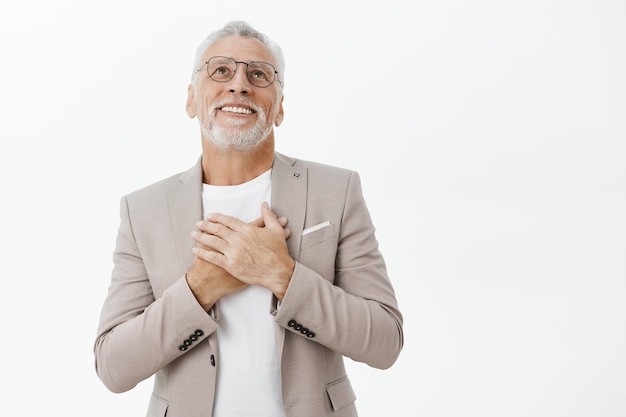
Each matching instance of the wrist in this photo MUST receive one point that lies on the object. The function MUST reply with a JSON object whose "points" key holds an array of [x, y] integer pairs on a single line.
{"points": [[283, 280], [202, 297]]}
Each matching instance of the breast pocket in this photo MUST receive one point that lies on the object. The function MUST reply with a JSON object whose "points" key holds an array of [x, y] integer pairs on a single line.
{"points": [[318, 251], [317, 234]]}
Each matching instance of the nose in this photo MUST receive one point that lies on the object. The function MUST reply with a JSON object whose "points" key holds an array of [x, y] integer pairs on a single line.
{"points": [[240, 83]]}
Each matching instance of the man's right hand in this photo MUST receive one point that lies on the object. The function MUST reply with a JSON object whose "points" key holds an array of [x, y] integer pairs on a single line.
{"points": [[209, 282]]}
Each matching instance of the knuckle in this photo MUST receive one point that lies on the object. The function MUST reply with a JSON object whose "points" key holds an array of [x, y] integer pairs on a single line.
{"points": [[216, 229], [213, 241], [204, 238]]}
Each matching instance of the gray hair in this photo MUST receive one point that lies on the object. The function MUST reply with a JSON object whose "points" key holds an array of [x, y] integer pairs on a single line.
{"points": [[243, 29]]}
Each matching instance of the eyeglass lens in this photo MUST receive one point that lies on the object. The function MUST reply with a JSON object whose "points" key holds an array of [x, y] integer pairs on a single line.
{"points": [[222, 69]]}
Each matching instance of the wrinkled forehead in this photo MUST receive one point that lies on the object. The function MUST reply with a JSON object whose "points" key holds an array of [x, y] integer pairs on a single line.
{"points": [[240, 49]]}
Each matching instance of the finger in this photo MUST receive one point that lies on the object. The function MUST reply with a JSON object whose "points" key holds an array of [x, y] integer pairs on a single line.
{"points": [[282, 221], [228, 221], [209, 241], [261, 223], [216, 229], [269, 217], [210, 256], [257, 222]]}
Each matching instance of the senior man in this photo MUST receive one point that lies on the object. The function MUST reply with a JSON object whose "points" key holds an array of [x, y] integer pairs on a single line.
{"points": [[243, 282]]}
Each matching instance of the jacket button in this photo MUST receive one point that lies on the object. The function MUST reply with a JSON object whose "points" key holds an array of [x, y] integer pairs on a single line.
{"points": [[310, 334], [199, 333], [298, 327], [292, 323], [182, 348], [304, 330], [187, 342], [212, 360], [193, 337]]}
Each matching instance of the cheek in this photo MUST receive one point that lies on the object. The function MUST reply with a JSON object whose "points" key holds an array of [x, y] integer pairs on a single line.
{"points": [[278, 118], [205, 110], [274, 111]]}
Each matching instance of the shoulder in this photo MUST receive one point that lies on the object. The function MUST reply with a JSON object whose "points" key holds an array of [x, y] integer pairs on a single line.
{"points": [[159, 190], [317, 170], [325, 181]]}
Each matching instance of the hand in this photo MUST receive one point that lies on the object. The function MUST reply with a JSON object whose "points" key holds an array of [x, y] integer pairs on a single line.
{"points": [[209, 282], [254, 253], [281, 220]]}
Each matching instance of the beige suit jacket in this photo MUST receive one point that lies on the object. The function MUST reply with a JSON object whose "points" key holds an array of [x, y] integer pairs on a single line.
{"points": [[340, 301]]}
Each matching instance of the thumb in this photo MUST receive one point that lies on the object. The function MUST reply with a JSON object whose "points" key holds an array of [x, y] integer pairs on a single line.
{"points": [[258, 222], [269, 218]]}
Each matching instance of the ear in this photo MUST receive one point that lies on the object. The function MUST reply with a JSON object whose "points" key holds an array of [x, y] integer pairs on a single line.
{"points": [[281, 113], [190, 106]]}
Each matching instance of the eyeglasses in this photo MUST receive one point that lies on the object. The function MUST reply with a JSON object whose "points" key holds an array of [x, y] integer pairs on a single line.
{"points": [[223, 69]]}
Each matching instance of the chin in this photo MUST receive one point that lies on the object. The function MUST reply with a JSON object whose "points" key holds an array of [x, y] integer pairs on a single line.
{"points": [[235, 143], [235, 140]]}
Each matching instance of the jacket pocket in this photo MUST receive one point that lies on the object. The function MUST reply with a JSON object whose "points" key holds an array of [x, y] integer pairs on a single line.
{"points": [[312, 236], [340, 393], [157, 407]]}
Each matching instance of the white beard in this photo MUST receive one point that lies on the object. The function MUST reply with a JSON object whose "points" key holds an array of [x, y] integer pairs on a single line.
{"points": [[232, 136]]}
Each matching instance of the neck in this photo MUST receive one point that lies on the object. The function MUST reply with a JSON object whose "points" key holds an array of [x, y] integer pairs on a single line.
{"points": [[232, 167]]}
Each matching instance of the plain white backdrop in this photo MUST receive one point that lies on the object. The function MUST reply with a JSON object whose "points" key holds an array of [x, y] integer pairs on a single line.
{"points": [[491, 141]]}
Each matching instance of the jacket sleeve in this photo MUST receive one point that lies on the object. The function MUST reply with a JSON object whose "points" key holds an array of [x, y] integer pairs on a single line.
{"points": [[138, 334], [354, 312]]}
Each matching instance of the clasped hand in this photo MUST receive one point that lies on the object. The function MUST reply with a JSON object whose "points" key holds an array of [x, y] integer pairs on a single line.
{"points": [[230, 254]]}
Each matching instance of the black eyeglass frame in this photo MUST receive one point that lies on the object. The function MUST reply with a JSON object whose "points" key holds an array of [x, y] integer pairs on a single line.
{"points": [[206, 64]]}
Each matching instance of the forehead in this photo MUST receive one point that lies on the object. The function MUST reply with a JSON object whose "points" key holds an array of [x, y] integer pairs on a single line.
{"points": [[240, 49]]}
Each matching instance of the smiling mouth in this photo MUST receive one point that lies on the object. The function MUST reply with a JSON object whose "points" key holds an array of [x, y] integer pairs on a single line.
{"points": [[236, 110]]}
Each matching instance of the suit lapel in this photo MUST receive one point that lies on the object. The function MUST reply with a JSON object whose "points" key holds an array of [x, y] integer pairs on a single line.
{"points": [[289, 194], [185, 204]]}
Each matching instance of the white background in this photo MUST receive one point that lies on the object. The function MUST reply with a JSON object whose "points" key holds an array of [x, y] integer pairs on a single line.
{"points": [[491, 140]]}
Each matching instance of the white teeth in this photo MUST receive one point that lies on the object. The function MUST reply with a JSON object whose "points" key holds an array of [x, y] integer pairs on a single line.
{"points": [[240, 110]]}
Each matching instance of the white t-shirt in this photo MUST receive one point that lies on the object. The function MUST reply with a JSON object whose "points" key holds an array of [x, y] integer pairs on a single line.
{"points": [[248, 371]]}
